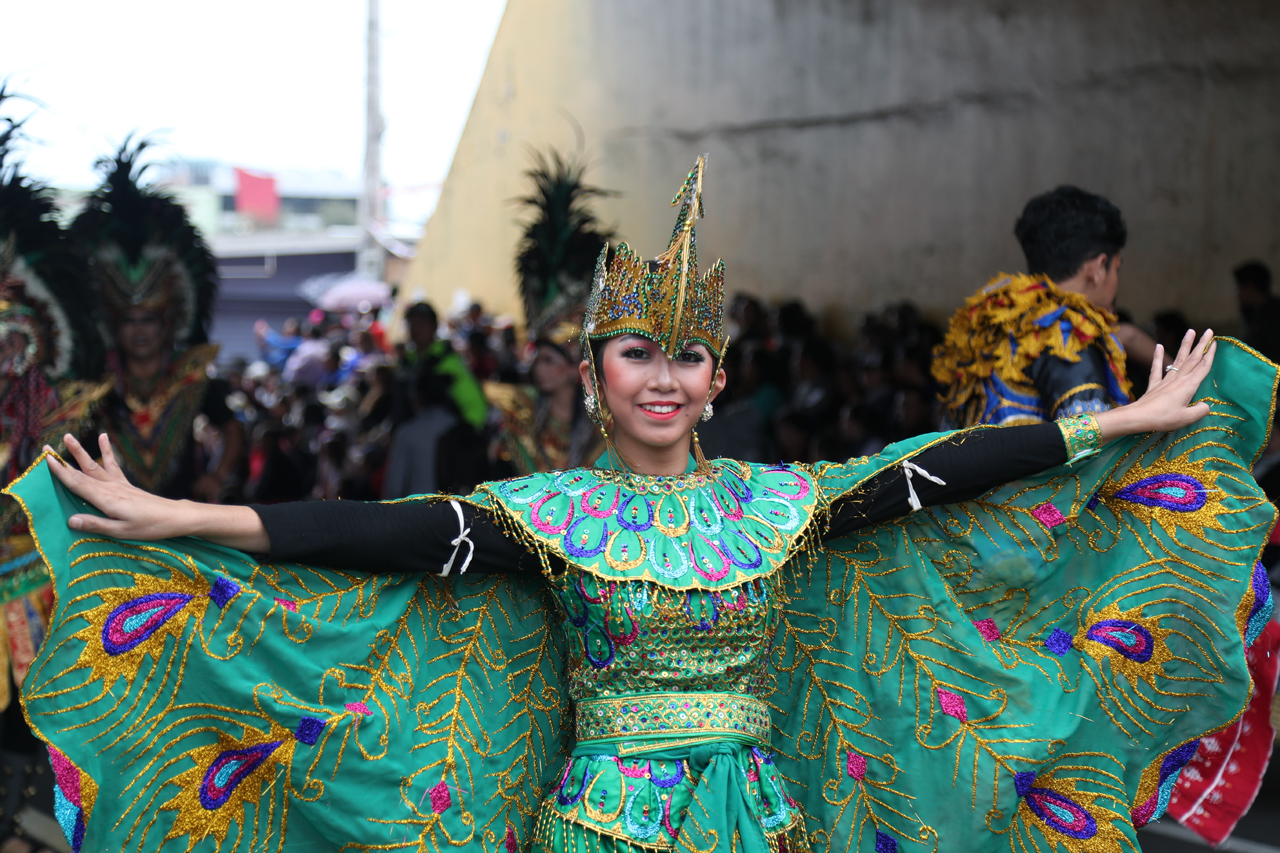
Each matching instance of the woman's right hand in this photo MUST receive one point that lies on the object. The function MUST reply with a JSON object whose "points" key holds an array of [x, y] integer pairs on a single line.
{"points": [[132, 513]]}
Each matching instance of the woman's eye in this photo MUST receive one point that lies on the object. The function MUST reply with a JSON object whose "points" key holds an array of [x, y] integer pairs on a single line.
{"points": [[691, 356], [635, 352]]}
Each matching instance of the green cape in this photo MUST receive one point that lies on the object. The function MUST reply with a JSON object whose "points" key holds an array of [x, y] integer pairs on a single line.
{"points": [[1027, 670]]}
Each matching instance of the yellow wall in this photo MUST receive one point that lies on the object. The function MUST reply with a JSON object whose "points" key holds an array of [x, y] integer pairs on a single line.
{"points": [[865, 152]]}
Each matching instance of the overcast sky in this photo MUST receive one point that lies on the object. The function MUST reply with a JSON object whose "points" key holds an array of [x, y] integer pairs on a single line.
{"points": [[266, 84]]}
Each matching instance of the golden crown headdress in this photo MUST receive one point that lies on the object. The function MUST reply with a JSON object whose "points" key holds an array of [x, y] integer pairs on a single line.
{"points": [[663, 300]]}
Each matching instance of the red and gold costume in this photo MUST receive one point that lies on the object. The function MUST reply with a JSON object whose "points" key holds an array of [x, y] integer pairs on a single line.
{"points": [[147, 255]]}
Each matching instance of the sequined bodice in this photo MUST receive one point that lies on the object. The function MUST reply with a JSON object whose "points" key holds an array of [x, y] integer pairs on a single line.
{"points": [[669, 595], [634, 637]]}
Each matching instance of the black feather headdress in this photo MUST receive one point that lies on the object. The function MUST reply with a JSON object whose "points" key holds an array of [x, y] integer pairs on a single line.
{"points": [[143, 250], [44, 284], [558, 250]]}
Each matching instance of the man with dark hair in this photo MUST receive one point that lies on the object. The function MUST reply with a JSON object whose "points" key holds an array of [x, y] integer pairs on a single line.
{"points": [[426, 352], [1074, 239], [1042, 345], [1259, 309]]}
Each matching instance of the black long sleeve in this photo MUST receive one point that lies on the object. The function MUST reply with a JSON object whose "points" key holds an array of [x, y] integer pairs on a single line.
{"points": [[388, 538], [971, 463], [417, 536]]}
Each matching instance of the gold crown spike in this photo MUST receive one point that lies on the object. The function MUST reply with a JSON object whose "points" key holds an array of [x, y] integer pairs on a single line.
{"points": [[663, 300]]}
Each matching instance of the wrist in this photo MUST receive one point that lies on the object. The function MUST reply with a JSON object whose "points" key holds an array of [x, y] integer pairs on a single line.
{"points": [[189, 520], [1119, 422]]}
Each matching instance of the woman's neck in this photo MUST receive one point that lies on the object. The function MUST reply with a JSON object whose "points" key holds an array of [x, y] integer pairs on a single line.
{"points": [[669, 461]]}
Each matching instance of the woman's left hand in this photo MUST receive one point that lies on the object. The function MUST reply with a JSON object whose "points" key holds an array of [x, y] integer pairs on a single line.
{"points": [[1167, 404]]}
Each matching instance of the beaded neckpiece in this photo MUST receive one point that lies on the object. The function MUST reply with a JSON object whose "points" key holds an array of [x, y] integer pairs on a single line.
{"points": [[698, 530], [696, 479]]}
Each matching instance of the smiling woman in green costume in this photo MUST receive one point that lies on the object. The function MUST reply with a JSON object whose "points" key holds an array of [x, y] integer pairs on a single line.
{"points": [[1001, 638]]}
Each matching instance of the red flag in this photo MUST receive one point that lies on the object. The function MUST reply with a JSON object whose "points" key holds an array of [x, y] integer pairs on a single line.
{"points": [[256, 196]]}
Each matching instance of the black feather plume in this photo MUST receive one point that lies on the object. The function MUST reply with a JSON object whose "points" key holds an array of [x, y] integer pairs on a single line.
{"points": [[558, 249], [125, 213], [28, 217]]}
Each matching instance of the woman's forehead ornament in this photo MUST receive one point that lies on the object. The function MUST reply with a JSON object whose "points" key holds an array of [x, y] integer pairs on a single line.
{"points": [[663, 300]]}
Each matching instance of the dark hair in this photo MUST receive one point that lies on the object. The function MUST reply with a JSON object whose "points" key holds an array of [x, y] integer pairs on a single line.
{"points": [[1062, 229], [1253, 274], [423, 310]]}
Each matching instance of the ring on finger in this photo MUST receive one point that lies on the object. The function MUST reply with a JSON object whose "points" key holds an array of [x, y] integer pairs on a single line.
{"points": [[1169, 367]]}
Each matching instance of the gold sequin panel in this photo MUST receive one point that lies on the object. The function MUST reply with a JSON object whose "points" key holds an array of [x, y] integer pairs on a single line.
{"points": [[636, 637], [673, 715]]}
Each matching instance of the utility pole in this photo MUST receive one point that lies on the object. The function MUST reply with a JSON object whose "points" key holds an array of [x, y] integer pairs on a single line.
{"points": [[372, 215]]}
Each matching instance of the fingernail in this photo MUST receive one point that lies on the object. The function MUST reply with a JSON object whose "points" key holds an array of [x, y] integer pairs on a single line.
{"points": [[75, 522]]}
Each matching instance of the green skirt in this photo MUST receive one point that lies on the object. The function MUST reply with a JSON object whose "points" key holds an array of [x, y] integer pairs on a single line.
{"points": [[653, 796]]}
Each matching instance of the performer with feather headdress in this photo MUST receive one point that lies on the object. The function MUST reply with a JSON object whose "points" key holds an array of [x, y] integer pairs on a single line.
{"points": [[157, 281], [990, 639], [50, 356], [544, 424]]}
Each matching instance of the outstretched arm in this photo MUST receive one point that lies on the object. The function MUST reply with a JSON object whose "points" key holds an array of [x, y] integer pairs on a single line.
{"points": [[969, 464], [972, 463], [411, 536], [385, 538]]}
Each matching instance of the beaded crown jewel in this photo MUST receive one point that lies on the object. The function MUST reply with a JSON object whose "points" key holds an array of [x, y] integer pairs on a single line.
{"points": [[663, 300]]}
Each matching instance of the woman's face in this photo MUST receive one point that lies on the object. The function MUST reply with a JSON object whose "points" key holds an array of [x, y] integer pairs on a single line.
{"points": [[655, 401], [553, 372]]}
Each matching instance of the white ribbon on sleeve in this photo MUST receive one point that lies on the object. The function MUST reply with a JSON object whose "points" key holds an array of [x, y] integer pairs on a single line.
{"points": [[463, 536], [908, 466]]}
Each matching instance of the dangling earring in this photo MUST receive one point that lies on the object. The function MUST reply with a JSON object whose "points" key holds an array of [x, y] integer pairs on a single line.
{"points": [[592, 407], [707, 413]]}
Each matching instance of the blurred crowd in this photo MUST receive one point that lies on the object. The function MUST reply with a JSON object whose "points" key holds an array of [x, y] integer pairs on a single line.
{"points": [[333, 409]]}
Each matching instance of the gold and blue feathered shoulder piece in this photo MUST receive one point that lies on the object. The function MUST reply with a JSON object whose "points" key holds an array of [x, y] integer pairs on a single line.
{"points": [[695, 531], [1006, 326]]}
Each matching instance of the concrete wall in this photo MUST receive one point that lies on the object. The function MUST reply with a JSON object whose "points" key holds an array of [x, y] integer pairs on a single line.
{"points": [[873, 150]]}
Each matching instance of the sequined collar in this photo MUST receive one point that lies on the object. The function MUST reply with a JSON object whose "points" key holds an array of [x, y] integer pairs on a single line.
{"points": [[691, 532]]}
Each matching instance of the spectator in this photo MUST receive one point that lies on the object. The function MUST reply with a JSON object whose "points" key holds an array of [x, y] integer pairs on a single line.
{"points": [[413, 465], [748, 317], [481, 361], [427, 353], [378, 404], [367, 355], [1170, 327], [274, 476], [306, 366], [1259, 309], [276, 347]]}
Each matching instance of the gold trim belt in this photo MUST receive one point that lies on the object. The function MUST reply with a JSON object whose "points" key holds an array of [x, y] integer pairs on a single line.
{"points": [[673, 715]]}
